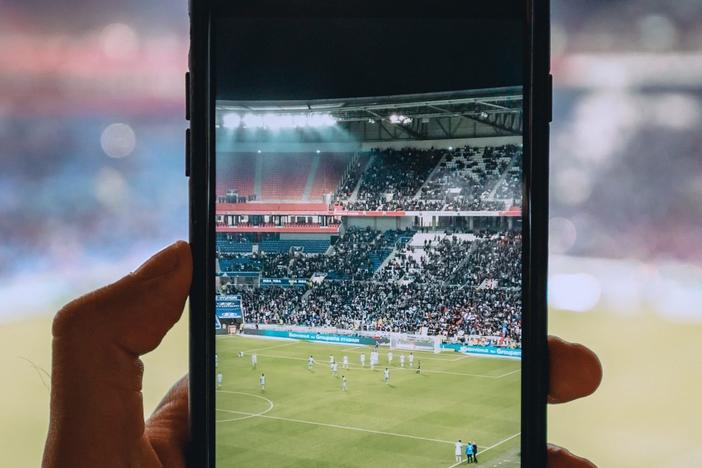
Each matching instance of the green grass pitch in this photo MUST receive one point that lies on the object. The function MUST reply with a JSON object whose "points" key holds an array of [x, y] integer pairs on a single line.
{"points": [[304, 419]]}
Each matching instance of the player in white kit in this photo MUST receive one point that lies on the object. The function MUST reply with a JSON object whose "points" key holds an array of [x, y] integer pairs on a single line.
{"points": [[310, 362], [216, 360], [363, 359], [331, 360], [457, 450], [254, 360], [262, 382], [344, 384], [346, 362], [389, 357], [335, 366], [219, 379], [411, 359], [402, 360], [386, 375]]}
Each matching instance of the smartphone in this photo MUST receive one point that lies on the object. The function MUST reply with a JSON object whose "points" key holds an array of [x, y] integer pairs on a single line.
{"points": [[368, 221]]}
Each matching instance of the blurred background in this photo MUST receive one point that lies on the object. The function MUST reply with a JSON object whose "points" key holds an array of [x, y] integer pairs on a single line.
{"points": [[92, 182]]}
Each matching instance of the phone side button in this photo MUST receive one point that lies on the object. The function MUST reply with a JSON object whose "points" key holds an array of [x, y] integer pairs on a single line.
{"points": [[187, 95], [549, 98], [187, 152]]}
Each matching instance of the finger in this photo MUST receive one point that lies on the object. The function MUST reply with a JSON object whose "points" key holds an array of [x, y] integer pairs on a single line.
{"points": [[575, 371], [96, 373], [167, 428], [558, 457], [135, 312]]}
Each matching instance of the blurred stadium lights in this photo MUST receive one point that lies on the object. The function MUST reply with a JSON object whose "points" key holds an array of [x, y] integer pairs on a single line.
{"points": [[274, 121], [576, 292]]}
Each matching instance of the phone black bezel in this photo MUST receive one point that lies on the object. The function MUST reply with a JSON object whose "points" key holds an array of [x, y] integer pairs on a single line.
{"points": [[200, 167]]}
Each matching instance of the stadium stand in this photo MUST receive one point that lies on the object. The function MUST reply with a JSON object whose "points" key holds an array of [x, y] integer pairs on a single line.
{"points": [[284, 175], [236, 172], [456, 285], [308, 246], [329, 173]]}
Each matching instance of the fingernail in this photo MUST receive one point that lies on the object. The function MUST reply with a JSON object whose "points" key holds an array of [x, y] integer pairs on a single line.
{"points": [[161, 263]]}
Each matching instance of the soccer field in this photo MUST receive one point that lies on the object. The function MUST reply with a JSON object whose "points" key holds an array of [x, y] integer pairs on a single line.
{"points": [[304, 419]]}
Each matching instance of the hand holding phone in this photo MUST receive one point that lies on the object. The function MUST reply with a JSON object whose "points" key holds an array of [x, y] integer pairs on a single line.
{"points": [[83, 374]]}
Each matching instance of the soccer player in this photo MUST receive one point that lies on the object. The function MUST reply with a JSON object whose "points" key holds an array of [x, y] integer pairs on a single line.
{"points": [[254, 360], [331, 360], [475, 452], [216, 360], [262, 382], [402, 360], [346, 362], [363, 359], [386, 375], [219, 379], [389, 358], [310, 362], [457, 450], [419, 367], [335, 366], [344, 384], [241, 354], [469, 452], [411, 359]]}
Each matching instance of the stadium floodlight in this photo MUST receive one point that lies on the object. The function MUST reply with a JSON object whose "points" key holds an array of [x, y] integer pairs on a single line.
{"points": [[371, 121], [274, 121], [399, 119], [231, 120], [318, 151], [450, 148], [258, 151], [483, 115]]}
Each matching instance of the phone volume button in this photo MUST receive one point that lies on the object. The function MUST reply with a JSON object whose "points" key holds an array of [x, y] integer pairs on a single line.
{"points": [[187, 152], [187, 95]]}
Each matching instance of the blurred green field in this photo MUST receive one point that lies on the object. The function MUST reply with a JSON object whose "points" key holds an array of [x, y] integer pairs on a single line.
{"points": [[645, 414], [304, 419]]}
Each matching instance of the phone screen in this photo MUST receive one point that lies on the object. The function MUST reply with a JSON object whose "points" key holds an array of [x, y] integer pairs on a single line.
{"points": [[369, 187]]}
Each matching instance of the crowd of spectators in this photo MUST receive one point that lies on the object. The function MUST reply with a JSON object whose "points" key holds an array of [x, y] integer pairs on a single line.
{"points": [[350, 258], [457, 287], [458, 261], [468, 179], [393, 179]]}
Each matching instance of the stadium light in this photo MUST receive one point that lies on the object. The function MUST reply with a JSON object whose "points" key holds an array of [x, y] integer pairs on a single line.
{"points": [[399, 119], [258, 151], [275, 121], [371, 121], [231, 120], [483, 115], [318, 151], [450, 148]]}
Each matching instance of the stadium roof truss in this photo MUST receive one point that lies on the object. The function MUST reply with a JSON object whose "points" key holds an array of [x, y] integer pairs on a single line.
{"points": [[478, 113]]}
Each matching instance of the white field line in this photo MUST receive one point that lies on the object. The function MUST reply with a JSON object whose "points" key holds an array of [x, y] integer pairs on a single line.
{"points": [[508, 373], [339, 426], [252, 415], [490, 447], [393, 368]]}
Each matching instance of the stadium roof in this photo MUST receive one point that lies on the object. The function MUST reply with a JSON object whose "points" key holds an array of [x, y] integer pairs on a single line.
{"points": [[448, 115]]}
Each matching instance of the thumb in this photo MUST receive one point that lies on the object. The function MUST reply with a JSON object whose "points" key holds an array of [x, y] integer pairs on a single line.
{"points": [[96, 416]]}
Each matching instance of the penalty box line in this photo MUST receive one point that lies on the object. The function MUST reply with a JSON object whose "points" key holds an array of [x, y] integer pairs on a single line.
{"points": [[336, 426], [490, 447], [413, 369]]}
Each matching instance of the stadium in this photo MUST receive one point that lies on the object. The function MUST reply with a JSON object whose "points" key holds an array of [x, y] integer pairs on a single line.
{"points": [[351, 226]]}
